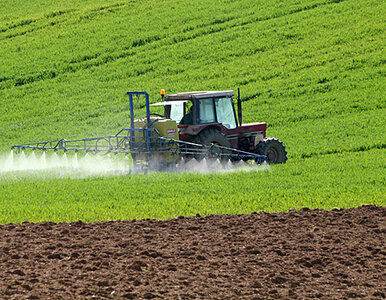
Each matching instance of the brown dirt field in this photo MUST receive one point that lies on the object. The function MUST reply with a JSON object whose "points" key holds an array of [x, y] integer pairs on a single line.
{"points": [[304, 254]]}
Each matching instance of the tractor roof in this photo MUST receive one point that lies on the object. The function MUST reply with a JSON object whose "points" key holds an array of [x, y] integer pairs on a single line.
{"points": [[198, 95]]}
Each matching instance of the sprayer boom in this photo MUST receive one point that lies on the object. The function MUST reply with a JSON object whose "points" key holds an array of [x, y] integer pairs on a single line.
{"points": [[124, 142]]}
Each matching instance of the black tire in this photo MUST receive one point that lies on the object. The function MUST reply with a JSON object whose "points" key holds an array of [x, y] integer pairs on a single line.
{"points": [[212, 136], [273, 149]]}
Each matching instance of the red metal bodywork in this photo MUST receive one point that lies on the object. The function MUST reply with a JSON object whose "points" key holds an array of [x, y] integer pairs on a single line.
{"points": [[236, 136]]}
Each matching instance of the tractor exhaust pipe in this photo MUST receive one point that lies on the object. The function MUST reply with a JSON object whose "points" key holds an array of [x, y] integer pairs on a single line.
{"points": [[239, 110]]}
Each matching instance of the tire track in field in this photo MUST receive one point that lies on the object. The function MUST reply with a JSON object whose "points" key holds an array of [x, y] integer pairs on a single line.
{"points": [[27, 22], [362, 148], [96, 60], [210, 30], [88, 15], [343, 146]]}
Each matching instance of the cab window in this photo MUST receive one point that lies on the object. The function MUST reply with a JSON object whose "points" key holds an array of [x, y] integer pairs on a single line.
{"points": [[225, 113], [206, 114]]}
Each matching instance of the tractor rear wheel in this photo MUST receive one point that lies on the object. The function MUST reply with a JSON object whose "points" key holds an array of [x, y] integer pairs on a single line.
{"points": [[273, 149], [213, 136]]}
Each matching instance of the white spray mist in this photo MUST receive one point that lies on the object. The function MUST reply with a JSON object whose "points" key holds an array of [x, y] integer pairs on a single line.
{"points": [[78, 166]]}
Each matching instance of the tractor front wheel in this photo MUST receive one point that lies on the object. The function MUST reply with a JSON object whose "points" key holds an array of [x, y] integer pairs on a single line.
{"points": [[273, 149]]}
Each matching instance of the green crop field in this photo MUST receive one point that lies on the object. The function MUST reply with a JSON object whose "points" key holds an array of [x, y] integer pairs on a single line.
{"points": [[314, 70]]}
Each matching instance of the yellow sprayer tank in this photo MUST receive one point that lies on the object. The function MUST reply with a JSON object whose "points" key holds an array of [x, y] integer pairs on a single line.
{"points": [[165, 127]]}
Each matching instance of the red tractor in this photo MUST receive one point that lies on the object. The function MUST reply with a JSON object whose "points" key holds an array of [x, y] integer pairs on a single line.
{"points": [[195, 125], [209, 117]]}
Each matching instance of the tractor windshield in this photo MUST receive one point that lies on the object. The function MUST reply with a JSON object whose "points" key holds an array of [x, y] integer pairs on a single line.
{"points": [[225, 113]]}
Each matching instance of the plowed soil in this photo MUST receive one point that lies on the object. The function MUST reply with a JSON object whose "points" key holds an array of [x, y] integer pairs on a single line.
{"points": [[337, 254]]}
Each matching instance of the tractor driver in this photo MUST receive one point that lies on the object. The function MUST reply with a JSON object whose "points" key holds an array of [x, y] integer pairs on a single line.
{"points": [[188, 118]]}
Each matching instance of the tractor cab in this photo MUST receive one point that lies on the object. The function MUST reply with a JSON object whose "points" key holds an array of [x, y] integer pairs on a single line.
{"points": [[201, 108]]}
